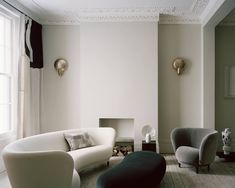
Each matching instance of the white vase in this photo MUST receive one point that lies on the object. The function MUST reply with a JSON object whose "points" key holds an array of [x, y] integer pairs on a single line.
{"points": [[227, 139], [226, 150], [148, 138]]}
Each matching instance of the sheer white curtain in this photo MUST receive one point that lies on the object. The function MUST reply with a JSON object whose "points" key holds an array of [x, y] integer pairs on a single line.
{"points": [[29, 88], [22, 61]]}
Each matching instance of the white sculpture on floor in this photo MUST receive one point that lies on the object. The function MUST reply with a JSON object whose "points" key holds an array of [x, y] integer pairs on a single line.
{"points": [[227, 139]]}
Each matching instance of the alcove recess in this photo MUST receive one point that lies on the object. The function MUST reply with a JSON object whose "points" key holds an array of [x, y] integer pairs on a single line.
{"points": [[124, 130]]}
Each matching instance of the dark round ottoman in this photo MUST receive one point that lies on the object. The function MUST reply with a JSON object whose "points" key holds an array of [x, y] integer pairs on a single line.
{"points": [[141, 169]]}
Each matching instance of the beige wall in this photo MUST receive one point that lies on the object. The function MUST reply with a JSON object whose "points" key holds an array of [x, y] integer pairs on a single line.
{"points": [[180, 97], [118, 76], [208, 76], [113, 73], [225, 55], [60, 95]]}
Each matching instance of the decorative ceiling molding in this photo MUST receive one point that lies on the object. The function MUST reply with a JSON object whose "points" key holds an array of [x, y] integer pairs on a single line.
{"points": [[229, 20], [200, 6], [172, 14], [126, 18], [227, 24], [103, 19], [168, 19], [111, 15]]}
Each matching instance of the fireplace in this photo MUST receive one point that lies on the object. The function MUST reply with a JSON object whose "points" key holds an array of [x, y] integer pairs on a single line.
{"points": [[124, 127]]}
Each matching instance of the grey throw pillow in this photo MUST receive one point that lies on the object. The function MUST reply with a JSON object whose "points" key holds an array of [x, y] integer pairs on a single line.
{"points": [[77, 140]]}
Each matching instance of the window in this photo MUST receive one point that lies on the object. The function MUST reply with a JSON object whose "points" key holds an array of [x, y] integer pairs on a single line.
{"points": [[8, 80]]}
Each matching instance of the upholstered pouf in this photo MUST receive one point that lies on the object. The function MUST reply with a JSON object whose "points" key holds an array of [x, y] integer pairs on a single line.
{"points": [[138, 170]]}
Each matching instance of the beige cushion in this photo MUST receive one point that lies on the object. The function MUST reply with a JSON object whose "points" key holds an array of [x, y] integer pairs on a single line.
{"points": [[77, 140]]}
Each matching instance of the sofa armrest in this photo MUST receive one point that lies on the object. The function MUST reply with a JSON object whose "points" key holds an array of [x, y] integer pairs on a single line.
{"points": [[39, 169], [208, 147]]}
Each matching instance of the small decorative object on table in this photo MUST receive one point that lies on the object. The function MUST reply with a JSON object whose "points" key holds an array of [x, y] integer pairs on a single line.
{"points": [[148, 132], [148, 138], [226, 137]]}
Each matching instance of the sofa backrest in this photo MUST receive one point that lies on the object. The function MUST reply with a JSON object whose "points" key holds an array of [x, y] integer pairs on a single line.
{"points": [[102, 135], [56, 141], [99, 135], [41, 142]]}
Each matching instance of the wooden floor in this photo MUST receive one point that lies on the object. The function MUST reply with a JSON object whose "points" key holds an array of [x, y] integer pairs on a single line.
{"points": [[221, 175]]}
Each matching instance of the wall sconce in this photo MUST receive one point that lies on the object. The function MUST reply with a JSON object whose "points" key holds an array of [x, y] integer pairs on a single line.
{"points": [[179, 65], [61, 65]]}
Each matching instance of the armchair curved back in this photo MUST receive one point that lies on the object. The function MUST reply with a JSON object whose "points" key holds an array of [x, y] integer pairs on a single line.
{"points": [[208, 148], [205, 140]]}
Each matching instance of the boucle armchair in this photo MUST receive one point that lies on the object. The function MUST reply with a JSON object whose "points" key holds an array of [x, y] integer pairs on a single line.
{"points": [[194, 146]]}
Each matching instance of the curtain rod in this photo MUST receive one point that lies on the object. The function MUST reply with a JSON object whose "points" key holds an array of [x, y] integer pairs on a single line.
{"points": [[18, 10]]}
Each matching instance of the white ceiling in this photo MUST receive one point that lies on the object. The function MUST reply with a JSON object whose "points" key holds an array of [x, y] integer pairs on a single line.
{"points": [[76, 11]]}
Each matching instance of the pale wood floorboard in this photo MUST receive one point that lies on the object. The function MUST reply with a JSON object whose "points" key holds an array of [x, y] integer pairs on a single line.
{"points": [[221, 175]]}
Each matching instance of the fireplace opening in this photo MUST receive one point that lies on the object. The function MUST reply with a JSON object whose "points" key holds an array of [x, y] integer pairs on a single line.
{"points": [[124, 127]]}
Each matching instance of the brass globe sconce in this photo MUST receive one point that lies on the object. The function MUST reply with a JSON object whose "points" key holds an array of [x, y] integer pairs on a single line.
{"points": [[179, 65], [61, 65]]}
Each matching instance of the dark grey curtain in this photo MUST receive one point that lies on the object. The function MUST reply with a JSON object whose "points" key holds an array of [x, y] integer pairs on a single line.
{"points": [[34, 49]]}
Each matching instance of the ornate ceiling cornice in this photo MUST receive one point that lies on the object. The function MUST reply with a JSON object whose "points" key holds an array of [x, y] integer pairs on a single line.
{"points": [[229, 20], [121, 14], [167, 19], [111, 15], [200, 6], [172, 14]]}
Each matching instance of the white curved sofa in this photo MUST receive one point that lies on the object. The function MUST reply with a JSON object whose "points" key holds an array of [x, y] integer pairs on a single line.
{"points": [[44, 161]]}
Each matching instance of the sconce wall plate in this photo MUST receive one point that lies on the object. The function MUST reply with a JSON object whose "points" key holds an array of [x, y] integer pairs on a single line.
{"points": [[179, 65], [61, 65]]}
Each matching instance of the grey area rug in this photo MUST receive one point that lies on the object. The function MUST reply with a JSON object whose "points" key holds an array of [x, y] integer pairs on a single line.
{"points": [[89, 176], [221, 175]]}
